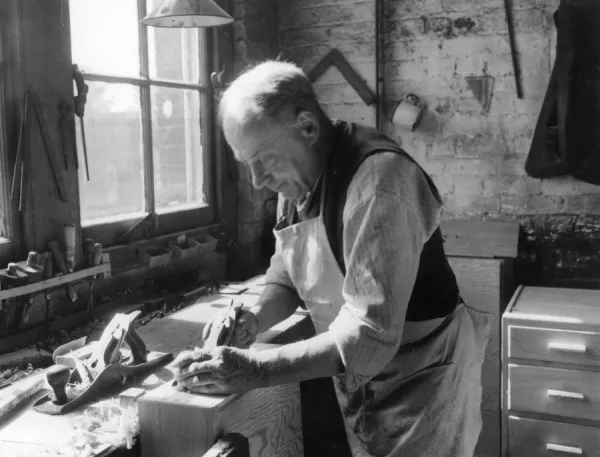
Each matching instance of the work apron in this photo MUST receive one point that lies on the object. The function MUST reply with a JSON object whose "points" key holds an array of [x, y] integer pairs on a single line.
{"points": [[426, 401]]}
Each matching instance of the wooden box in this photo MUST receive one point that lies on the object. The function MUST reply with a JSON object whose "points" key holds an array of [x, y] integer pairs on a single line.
{"points": [[154, 257], [192, 247]]}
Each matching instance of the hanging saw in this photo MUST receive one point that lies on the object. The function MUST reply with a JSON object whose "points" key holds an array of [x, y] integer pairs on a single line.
{"points": [[79, 108]]}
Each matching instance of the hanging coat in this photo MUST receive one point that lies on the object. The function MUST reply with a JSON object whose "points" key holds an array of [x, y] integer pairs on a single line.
{"points": [[566, 139]]}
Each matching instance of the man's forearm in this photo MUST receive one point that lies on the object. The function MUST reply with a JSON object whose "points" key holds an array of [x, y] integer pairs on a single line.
{"points": [[317, 357], [275, 304]]}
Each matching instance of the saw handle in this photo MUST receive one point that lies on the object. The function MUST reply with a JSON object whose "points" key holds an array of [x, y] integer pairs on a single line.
{"points": [[57, 377], [82, 91]]}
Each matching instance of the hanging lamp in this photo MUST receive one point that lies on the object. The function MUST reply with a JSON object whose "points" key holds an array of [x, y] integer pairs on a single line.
{"points": [[187, 13]]}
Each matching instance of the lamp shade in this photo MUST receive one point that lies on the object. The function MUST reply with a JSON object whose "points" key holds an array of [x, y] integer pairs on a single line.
{"points": [[187, 13]]}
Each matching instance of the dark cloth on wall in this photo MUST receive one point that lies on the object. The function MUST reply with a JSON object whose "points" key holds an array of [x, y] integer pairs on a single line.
{"points": [[566, 139]]}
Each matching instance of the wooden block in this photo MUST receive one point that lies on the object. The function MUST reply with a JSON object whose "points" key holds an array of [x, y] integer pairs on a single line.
{"points": [[181, 424], [130, 397], [13, 396]]}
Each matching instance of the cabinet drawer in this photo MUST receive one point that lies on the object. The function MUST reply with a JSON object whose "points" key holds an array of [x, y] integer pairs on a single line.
{"points": [[554, 345], [536, 438], [568, 393]]}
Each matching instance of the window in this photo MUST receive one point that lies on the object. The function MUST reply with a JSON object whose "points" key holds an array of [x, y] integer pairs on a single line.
{"points": [[147, 121]]}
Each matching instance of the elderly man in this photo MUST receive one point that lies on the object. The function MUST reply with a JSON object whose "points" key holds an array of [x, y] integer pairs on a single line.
{"points": [[358, 244]]}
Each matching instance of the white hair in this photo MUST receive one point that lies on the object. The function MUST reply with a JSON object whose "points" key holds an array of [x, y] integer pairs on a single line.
{"points": [[272, 90]]}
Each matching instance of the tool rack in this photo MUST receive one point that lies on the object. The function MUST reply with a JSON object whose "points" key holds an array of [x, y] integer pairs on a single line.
{"points": [[103, 269]]}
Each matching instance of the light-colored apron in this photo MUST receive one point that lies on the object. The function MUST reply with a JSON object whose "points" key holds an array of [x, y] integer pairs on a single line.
{"points": [[426, 402]]}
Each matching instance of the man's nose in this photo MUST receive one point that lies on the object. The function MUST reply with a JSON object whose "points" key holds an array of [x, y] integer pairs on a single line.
{"points": [[259, 177]]}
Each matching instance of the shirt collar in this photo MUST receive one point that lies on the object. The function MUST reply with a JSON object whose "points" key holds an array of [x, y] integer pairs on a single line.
{"points": [[304, 203]]}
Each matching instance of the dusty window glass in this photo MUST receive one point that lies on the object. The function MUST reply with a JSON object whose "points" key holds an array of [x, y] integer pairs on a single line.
{"points": [[144, 123]]}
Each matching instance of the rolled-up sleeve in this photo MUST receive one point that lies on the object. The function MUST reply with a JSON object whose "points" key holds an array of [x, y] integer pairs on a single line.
{"points": [[277, 272], [383, 238]]}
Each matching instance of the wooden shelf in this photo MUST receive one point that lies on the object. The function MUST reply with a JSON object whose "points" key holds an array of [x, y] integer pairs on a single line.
{"points": [[102, 269]]}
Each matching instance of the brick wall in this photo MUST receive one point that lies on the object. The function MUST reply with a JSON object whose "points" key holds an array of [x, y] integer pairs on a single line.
{"points": [[476, 159], [255, 40]]}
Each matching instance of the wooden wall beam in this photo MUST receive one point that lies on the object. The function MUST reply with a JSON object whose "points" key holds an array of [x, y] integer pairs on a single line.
{"points": [[46, 67]]}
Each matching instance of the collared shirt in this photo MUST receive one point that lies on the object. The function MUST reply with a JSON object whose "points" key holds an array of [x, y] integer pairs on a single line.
{"points": [[390, 213], [308, 200]]}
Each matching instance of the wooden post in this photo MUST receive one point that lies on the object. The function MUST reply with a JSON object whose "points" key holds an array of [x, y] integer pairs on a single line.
{"points": [[46, 67]]}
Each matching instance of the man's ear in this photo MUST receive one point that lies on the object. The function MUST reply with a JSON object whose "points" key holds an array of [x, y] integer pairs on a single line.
{"points": [[309, 126]]}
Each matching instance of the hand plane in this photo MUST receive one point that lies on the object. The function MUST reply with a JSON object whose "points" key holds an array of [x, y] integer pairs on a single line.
{"points": [[219, 333], [103, 368], [221, 330]]}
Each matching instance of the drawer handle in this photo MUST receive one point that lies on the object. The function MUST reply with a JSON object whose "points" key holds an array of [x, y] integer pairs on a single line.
{"points": [[565, 449], [565, 394], [567, 347]]}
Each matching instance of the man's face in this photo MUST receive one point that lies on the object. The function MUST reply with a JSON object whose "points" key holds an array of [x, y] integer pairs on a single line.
{"points": [[280, 156]]}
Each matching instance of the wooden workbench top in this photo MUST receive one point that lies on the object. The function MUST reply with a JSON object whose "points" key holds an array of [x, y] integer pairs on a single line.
{"points": [[32, 434]]}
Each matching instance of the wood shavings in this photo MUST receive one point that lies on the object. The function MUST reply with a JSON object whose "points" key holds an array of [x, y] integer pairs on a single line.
{"points": [[105, 424]]}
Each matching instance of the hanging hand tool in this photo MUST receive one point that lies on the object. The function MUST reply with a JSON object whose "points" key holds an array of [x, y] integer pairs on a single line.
{"points": [[67, 126], [70, 240], [80, 101], [66, 119], [21, 168], [62, 266], [41, 117], [93, 252], [513, 46], [18, 157], [47, 294]]}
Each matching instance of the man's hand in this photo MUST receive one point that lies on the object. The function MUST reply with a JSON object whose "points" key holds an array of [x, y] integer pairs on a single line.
{"points": [[221, 370], [245, 329]]}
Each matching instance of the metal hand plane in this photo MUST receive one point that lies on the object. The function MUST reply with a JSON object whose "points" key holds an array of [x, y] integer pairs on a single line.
{"points": [[220, 332], [104, 368]]}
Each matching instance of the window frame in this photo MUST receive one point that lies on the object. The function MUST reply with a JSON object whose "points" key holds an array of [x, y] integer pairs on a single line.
{"points": [[154, 224]]}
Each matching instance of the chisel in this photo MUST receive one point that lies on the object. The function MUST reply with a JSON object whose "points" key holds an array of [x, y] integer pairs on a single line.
{"points": [[62, 266]]}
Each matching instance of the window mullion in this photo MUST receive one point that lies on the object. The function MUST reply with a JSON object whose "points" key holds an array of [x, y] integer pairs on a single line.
{"points": [[207, 114], [146, 112]]}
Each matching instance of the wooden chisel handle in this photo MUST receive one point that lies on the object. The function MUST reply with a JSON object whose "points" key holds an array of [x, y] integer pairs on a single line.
{"points": [[58, 256]]}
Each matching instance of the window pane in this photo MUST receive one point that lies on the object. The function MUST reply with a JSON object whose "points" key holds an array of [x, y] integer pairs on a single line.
{"points": [[174, 54], [105, 36], [113, 131], [177, 143]]}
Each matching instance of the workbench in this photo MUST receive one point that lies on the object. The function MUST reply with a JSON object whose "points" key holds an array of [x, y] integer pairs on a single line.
{"points": [[481, 255], [29, 433]]}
